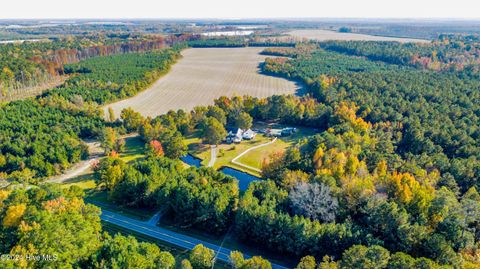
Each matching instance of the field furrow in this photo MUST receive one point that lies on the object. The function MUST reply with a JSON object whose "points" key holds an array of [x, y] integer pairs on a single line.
{"points": [[203, 75]]}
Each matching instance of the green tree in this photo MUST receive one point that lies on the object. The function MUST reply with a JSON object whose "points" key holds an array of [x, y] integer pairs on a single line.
{"points": [[127, 252], [307, 262], [243, 121], [173, 144], [185, 264], [362, 257], [109, 172], [217, 113], [132, 120], [54, 224], [111, 114], [201, 257], [256, 262], [213, 131], [401, 260], [108, 139]]}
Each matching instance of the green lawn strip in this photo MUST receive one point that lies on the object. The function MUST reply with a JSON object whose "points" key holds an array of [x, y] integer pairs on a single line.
{"points": [[244, 169], [85, 181], [134, 149], [255, 157], [100, 198]]}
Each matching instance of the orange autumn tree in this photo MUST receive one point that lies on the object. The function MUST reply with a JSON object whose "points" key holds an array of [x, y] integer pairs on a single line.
{"points": [[155, 148]]}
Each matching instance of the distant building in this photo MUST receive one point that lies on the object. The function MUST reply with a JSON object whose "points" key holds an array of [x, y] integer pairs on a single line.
{"points": [[249, 134], [234, 136], [280, 132], [273, 132], [288, 131]]}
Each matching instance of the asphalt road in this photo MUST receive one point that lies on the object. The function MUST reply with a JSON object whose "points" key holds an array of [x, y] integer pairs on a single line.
{"points": [[177, 239]]}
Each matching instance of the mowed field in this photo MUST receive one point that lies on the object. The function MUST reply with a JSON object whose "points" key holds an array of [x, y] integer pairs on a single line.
{"points": [[204, 74], [324, 35]]}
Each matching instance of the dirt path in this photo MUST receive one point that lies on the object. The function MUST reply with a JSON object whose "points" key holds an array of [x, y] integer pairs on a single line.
{"points": [[96, 153], [213, 156]]}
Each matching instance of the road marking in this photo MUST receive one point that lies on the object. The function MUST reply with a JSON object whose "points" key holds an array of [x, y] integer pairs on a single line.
{"points": [[183, 241]]}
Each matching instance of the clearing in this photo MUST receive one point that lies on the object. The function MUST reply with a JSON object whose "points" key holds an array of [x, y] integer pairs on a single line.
{"points": [[204, 74], [249, 153], [324, 35]]}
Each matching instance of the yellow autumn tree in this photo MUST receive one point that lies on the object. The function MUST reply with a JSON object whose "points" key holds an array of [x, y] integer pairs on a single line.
{"points": [[347, 112], [14, 215], [3, 196], [404, 188]]}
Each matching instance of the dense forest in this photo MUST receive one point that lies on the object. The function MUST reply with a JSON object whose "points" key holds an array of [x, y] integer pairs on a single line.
{"points": [[430, 117], [448, 52], [41, 137], [337, 196], [48, 226], [31, 63]]}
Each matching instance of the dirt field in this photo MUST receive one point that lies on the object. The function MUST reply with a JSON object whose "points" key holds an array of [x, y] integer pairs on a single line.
{"points": [[205, 74], [324, 35]]}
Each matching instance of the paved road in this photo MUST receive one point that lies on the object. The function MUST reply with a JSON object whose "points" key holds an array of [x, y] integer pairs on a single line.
{"points": [[168, 236]]}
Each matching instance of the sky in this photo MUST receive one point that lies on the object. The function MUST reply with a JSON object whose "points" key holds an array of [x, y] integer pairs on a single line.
{"points": [[165, 9]]}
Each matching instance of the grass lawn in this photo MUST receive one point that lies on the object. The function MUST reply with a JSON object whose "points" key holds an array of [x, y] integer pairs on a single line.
{"points": [[226, 153], [134, 149], [255, 157], [85, 182]]}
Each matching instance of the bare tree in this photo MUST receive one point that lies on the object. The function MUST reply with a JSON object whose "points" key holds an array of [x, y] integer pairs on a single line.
{"points": [[313, 200]]}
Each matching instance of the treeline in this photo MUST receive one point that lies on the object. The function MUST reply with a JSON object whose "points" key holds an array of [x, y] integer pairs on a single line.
{"points": [[55, 225], [447, 53], [106, 79], [31, 63], [431, 118], [235, 42], [194, 197], [41, 137]]}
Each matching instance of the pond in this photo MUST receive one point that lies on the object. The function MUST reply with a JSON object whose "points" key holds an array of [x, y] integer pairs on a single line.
{"points": [[190, 160], [243, 178], [229, 33]]}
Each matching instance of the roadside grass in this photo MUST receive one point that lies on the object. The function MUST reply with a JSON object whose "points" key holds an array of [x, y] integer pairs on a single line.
{"points": [[100, 198], [177, 252]]}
